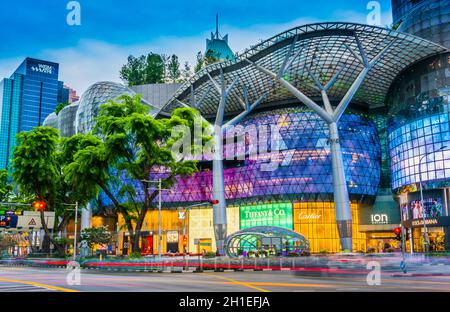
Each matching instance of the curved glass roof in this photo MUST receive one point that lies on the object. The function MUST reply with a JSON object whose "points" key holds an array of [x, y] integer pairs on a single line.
{"points": [[322, 50], [251, 239], [96, 95]]}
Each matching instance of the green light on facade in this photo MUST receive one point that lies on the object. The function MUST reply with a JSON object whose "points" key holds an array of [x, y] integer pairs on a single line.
{"points": [[278, 214]]}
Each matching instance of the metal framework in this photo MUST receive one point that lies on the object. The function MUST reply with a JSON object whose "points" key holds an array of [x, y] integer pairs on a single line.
{"points": [[253, 239], [325, 66]]}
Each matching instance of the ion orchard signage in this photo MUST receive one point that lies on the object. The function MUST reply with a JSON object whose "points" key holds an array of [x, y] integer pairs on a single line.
{"points": [[42, 68], [379, 218]]}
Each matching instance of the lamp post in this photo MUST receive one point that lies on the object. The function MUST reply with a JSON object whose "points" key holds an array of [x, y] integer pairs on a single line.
{"points": [[75, 230], [425, 234], [213, 202]]}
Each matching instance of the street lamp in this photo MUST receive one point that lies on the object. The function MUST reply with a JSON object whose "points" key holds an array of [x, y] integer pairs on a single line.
{"points": [[75, 230], [213, 202], [425, 234]]}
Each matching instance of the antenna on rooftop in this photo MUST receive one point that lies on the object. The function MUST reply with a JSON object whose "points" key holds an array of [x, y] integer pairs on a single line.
{"points": [[217, 26]]}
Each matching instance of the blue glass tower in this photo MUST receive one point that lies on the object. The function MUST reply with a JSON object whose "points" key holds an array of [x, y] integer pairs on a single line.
{"points": [[26, 98]]}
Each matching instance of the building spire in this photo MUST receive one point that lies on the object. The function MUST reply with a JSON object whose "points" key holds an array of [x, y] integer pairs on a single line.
{"points": [[217, 26]]}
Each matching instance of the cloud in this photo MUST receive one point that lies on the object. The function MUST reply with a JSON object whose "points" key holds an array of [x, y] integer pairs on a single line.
{"points": [[90, 61]]}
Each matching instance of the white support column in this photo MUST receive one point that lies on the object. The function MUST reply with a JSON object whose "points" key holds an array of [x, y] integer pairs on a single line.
{"points": [[331, 117], [220, 210], [86, 217]]}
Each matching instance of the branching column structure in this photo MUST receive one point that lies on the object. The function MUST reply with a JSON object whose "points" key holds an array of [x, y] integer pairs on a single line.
{"points": [[219, 210], [331, 116]]}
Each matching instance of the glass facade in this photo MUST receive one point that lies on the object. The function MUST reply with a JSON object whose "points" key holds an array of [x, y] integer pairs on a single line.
{"points": [[307, 176], [419, 123], [428, 19], [317, 222], [28, 97], [277, 214], [409, 143]]}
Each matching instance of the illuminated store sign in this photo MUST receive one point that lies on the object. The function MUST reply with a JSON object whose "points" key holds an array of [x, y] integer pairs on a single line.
{"points": [[172, 236], [279, 214], [427, 222], [379, 218], [42, 68], [308, 216]]}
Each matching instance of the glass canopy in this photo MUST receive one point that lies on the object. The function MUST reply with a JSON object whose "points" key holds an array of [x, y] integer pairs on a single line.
{"points": [[318, 50]]}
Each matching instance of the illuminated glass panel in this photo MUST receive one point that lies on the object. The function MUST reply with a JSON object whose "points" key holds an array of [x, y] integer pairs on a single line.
{"points": [[317, 222], [277, 214], [409, 143]]}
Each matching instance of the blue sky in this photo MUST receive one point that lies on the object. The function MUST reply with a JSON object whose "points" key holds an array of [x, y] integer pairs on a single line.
{"points": [[111, 30]]}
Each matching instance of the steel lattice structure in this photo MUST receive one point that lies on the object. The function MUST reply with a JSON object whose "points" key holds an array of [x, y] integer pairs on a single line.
{"points": [[325, 66], [327, 48]]}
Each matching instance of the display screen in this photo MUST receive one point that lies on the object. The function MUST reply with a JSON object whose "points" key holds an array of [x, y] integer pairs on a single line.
{"points": [[432, 207], [278, 214]]}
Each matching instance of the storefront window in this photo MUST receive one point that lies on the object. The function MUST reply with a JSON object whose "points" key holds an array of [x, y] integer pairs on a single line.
{"points": [[317, 222]]}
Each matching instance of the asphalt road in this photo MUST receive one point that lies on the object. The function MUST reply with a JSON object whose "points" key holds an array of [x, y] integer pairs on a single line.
{"points": [[24, 279]]}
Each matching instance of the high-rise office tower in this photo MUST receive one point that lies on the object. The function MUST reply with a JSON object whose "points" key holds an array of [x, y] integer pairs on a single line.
{"points": [[26, 98]]}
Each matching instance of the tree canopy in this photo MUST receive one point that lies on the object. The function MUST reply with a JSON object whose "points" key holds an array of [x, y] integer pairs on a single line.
{"points": [[143, 70], [136, 148], [6, 187]]}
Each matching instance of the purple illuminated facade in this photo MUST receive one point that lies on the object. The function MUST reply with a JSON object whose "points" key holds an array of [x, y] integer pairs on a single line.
{"points": [[307, 176]]}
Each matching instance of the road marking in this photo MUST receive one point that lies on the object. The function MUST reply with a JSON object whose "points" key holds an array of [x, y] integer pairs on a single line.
{"points": [[291, 284], [37, 285], [249, 285], [22, 288]]}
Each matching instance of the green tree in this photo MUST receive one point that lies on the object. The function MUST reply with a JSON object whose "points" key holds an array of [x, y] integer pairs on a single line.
{"points": [[6, 188], [97, 235], [154, 70], [186, 72], [59, 107], [200, 62], [143, 70], [134, 71], [173, 68], [134, 147], [38, 164], [205, 60]]}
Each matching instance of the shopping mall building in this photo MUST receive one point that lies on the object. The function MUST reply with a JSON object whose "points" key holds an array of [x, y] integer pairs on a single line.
{"points": [[361, 117]]}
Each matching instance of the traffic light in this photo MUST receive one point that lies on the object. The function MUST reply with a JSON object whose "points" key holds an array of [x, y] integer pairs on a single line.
{"points": [[40, 205], [185, 241], [214, 201], [398, 233]]}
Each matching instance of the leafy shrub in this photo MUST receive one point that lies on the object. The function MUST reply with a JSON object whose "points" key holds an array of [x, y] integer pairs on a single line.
{"points": [[135, 255], [292, 254], [323, 251], [209, 254]]}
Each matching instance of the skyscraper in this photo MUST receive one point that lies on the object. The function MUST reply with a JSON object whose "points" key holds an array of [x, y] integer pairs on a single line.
{"points": [[26, 98]]}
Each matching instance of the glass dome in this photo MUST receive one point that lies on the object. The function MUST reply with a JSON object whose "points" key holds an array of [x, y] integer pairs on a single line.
{"points": [[66, 120], [268, 240], [51, 121], [96, 95]]}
